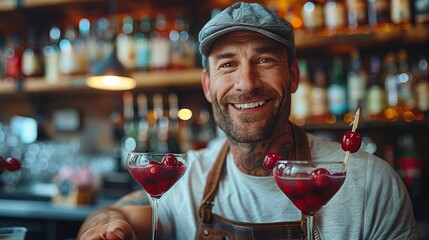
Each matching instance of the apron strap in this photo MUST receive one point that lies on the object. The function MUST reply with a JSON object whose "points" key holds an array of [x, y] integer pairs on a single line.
{"points": [[302, 151]]}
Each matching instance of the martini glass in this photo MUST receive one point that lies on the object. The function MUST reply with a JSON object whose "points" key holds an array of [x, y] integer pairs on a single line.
{"points": [[309, 185], [156, 173]]}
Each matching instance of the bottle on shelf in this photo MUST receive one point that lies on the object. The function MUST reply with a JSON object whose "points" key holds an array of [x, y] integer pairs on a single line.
{"points": [[375, 103], [379, 14], [143, 123], [129, 140], [335, 16], [142, 44], [160, 42], [392, 111], [13, 63], [421, 12], [400, 13], [182, 53], [31, 59], [2, 57], [125, 45], [157, 125], [357, 79], [337, 91], [410, 164], [422, 86], [406, 83], [173, 127], [68, 57], [357, 15], [100, 43], [51, 56], [81, 47], [319, 97], [313, 17], [300, 107]]}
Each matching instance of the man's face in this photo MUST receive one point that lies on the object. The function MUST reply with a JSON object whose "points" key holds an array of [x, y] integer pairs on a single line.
{"points": [[249, 85]]}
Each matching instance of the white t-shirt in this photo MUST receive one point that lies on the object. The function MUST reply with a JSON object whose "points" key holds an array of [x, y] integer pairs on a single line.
{"points": [[371, 204]]}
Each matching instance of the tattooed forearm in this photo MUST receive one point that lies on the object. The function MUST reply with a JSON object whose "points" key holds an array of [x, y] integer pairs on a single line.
{"points": [[135, 198]]}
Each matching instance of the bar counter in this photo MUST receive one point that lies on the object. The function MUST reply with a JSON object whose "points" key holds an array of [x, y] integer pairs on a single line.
{"points": [[43, 218]]}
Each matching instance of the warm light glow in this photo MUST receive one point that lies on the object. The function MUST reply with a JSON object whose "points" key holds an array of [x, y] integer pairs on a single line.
{"points": [[184, 114], [110, 82]]}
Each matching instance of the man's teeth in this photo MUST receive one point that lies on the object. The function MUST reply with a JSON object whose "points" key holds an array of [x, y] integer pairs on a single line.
{"points": [[249, 105]]}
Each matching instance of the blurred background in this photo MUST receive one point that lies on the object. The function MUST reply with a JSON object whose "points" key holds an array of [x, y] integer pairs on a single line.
{"points": [[71, 130]]}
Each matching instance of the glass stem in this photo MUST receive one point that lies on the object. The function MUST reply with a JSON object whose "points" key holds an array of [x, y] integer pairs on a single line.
{"points": [[155, 203], [309, 226]]}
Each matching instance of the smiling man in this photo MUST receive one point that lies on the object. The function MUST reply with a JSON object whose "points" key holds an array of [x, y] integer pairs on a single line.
{"points": [[250, 72]]}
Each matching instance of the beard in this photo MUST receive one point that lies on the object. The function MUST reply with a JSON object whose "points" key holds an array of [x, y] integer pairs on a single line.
{"points": [[249, 128]]}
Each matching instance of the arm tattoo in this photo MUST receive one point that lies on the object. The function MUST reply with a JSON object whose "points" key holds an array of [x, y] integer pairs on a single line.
{"points": [[136, 198]]}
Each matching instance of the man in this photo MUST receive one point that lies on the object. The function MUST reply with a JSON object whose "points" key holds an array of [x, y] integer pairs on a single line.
{"points": [[249, 76]]}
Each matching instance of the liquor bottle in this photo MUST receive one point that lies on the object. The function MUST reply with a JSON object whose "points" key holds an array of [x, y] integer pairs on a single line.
{"points": [[410, 164], [68, 61], [421, 12], [2, 57], [143, 123], [376, 95], [405, 77], [100, 43], [422, 86], [392, 111], [31, 61], [357, 15], [319, 97], [51, 53], [379, 14], [173, 127], [160, 42], [389, 154], [125, 44], [129, 128], [300, 108], [204, 130], [182, 53], [337, 92], [13, 61], [142, 44], [312, 16], [400, 13], [335, 16], [81, 47], [356, 82]]}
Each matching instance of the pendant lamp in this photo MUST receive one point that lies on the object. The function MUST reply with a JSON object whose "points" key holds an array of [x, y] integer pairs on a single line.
{"points": [[110, 74]]}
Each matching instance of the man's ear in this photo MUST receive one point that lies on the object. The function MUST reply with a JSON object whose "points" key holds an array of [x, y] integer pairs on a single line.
{"points": [[205, 82], [294, 73]]}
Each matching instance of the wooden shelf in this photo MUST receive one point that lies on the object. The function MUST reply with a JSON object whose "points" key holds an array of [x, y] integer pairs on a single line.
{"points": [[366, 125], [177, 78], [417, 34], [8, 5]]}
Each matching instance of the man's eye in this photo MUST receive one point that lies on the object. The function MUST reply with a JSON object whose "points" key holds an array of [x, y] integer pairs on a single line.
{"points": [[227, 65], [266, 60]]}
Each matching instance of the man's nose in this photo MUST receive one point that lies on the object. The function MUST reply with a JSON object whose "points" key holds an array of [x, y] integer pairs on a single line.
{"points": [[247, 79]]}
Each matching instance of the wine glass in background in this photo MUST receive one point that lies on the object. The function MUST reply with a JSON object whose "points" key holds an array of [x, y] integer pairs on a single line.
{"points": [[156, 173], [309, 185]]}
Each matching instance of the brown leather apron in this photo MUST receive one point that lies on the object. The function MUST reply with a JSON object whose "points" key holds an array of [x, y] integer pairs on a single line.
{"points": [[212, 226]]}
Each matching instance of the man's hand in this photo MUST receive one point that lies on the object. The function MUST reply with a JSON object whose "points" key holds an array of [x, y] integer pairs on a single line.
{"points": [[116, 230]]}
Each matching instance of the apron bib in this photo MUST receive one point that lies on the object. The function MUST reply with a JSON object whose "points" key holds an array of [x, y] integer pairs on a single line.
{"points": [[214, 227]]}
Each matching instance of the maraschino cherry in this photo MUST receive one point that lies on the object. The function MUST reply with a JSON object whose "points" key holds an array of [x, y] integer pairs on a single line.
{"points": [[11, 164]]}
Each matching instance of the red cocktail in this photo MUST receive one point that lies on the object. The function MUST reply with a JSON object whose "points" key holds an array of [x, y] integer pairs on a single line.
{"points": [[156, 173], [309, 185]]}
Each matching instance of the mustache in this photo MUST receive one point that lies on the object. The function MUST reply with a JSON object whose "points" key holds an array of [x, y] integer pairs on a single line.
{"points": [[248, 96]]}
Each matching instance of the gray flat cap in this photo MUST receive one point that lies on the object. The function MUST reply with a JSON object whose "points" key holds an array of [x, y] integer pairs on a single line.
{"points": [[246, 17]]}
